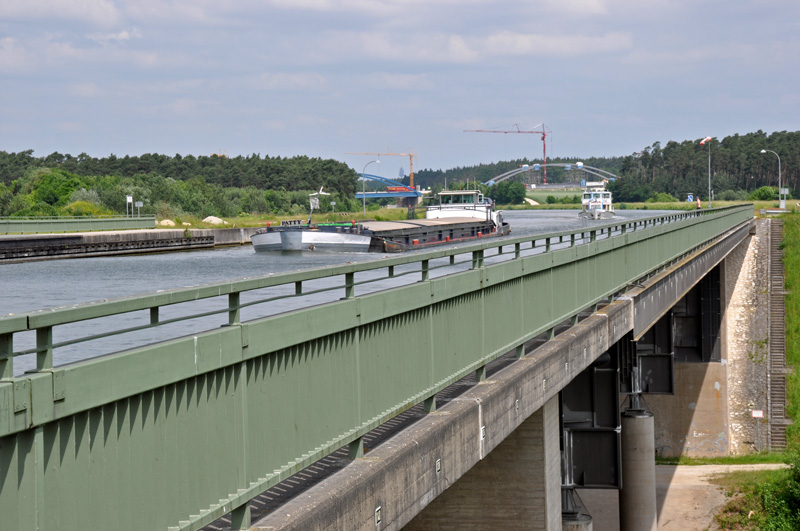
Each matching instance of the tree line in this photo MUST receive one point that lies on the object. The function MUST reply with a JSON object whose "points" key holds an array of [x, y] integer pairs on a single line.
{"points": [[739, 171], [265, 173], [62, 184], [738, 168]]}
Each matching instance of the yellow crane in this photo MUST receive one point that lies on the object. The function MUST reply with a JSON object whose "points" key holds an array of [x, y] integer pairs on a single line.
{"points": [[410, 158]]}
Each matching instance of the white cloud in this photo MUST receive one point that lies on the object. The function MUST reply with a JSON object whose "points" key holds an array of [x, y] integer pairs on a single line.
{"points": [[85, 90], [185, 107], [296, 81], [96, 12], [12, 55], [510, 43], [391, 81], [68, 127], [579, 7], [124, 35], [452, 48], [427, 47]]}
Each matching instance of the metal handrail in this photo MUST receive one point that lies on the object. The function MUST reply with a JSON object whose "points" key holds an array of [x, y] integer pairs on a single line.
{"points": [[49, 318]]}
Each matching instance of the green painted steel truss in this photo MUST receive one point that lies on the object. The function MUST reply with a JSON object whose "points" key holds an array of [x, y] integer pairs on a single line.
{"points": [[180, 432]]}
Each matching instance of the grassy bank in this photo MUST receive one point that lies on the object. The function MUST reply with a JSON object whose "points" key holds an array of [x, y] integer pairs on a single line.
{"points": [[749, 459], [791, 265], [771, 499], [760, 500]]}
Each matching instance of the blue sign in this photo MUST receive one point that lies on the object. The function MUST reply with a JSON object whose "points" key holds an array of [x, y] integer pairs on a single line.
{"points": [[690, 199]]}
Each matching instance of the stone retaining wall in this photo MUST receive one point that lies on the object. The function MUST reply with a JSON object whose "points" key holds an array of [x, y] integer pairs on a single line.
{"points": [[747, 339]]}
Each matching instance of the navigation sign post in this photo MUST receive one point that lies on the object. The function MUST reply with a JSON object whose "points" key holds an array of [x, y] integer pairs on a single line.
{"points": [[757, 414]]}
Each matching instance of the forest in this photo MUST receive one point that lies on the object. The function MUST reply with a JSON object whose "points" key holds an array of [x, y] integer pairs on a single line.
{"points": [[169, 186]]}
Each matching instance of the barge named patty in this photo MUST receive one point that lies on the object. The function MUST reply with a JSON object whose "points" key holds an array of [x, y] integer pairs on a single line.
{"points": [[460, 215]]}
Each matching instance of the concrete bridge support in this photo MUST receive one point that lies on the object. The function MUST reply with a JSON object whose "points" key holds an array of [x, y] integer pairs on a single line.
{"points": [[516, 486], [637, 498]]}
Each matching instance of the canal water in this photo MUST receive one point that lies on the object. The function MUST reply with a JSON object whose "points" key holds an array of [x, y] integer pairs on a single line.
{"points": [[53, 283]]}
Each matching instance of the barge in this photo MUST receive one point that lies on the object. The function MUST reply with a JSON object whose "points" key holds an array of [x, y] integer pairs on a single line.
{"points": [[460, 215]]}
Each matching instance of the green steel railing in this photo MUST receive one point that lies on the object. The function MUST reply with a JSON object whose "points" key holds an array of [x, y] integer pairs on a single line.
{"points": [[15, 225], [180, 432]]}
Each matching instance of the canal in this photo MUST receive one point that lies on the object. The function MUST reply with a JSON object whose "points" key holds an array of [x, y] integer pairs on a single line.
{"points": [[54, 283]]}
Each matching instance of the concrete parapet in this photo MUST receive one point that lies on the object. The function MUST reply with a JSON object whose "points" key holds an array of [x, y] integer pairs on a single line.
{"points": [[105, 243]]}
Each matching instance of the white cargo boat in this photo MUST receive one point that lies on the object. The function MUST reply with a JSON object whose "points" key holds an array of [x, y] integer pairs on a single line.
{"points": [[596, 201]]}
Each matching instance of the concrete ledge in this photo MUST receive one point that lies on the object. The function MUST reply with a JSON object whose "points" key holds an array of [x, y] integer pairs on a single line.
{"points": [[105, 243], [400, 475]]}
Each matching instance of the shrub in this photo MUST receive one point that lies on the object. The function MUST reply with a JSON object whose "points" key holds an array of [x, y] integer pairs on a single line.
{"points": [[765, 193], [85, 208], [662, 197]]}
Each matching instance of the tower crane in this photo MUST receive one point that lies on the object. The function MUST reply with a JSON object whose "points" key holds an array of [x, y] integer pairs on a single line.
{"points": [[533, 130], [410, 158]]}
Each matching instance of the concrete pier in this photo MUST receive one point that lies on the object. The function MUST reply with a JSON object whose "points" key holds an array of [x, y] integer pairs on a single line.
{"points": [[516, 486], [637, 499]]}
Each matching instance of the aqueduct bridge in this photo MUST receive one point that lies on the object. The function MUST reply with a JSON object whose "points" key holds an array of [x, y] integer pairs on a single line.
{"points": [[224, 390]]}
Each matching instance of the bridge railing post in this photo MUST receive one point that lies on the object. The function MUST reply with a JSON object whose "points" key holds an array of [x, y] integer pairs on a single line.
{"points": [[349, 285], [233, 308], [477, 259], [6, 356], [44, 348], [425, 269]]}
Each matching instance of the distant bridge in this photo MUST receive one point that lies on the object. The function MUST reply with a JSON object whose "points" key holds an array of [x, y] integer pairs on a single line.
{"points": [[602, 174], [387, 193]]}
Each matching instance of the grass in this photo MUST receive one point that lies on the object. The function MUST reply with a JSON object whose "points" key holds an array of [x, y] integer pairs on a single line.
{"points": [[755, 500], [749, 459], [791, 266]]}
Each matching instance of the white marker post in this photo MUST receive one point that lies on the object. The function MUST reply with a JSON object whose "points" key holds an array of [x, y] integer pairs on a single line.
{"points": [[758, 414]]}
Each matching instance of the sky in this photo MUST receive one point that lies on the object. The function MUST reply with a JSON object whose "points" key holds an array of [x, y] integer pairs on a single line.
{"points": [[325, 78]]}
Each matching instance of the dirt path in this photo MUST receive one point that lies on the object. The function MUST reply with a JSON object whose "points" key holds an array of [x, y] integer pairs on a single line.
{"points": [[686, 499]]}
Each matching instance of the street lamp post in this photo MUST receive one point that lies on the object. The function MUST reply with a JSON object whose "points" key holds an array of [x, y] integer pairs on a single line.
{"points": [[781, 200], [364, 185], [708, 140]]}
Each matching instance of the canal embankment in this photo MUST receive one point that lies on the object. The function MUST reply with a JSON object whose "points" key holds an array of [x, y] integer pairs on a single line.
{"points": [[27, 247]]}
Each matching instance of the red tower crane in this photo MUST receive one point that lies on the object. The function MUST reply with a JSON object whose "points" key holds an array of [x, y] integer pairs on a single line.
{"points": [[533, 130]]}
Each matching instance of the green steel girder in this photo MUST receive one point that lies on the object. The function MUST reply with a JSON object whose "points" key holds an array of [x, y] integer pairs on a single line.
{"points": [[210, 420]]}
